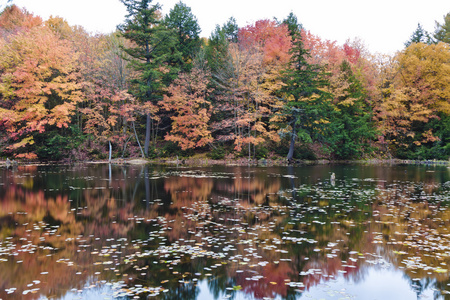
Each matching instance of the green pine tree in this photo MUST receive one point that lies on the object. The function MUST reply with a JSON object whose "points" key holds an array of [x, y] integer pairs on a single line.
{"points": [[217, 48], [420, 35], [154, 56], [352, 128], [185, 26], [307, 104], [442, 32], [293, 25]]}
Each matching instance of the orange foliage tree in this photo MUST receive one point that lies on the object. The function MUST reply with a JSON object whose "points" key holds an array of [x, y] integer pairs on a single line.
{"points": [[39, 85], [187, 98], [13, 19], [108, 110]]}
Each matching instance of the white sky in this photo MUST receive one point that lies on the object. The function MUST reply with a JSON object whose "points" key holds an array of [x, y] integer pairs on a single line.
{"points": [[383, 25]]}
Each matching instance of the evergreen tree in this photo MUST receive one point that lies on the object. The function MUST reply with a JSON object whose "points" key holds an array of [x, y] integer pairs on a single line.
{"points": [[230, 30], [352, 129], [293, 25], [153, 56], [307, 105], [183, 22], [442, 32], [221, 37], [420, 35]]}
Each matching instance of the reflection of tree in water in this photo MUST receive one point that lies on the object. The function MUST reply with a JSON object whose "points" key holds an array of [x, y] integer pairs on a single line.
{"points": [[420, 285], [343, 217], [347, 219], [316, 226], [218, 285], [54, 218], [440, 286], [26, 221], [413, 226], [183, 291]]}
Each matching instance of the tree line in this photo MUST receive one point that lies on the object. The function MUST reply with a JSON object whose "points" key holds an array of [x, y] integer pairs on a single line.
{"points": [[155, 88]]}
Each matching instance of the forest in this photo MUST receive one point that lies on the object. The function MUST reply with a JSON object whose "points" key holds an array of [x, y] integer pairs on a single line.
{"points": [[155, 88]]}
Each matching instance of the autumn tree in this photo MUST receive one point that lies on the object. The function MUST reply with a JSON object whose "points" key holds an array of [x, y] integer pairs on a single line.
{"points": [[234, 106], [108, 112], [271, 43], [14, 19], [153, 49], [418, 95], [61, 27], [268, 37], [187, 98], [116, 72], [104, 106], [246, 80], [39, 87]]}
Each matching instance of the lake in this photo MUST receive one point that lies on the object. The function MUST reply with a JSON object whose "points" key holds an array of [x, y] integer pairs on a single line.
{"points": [[139, 232]]}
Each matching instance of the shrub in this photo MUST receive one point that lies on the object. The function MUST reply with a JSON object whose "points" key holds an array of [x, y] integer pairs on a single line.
{"points": [[217, 153]]}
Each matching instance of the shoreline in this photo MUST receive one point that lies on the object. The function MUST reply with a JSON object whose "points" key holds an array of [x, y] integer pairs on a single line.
{"points": [[204, 162]]}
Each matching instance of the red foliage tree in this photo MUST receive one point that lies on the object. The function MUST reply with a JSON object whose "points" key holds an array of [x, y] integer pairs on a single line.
{"points": [[273, 40]]}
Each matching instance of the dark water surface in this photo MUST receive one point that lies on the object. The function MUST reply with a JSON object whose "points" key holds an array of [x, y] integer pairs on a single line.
{"points": [[139, 232]]}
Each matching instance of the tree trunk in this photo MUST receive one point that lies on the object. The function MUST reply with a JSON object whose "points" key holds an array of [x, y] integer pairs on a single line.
{"points": [[249, 144], [110, 151], [137, 139], [290, 155], [291, 148], [147, 135], [125, 145]]}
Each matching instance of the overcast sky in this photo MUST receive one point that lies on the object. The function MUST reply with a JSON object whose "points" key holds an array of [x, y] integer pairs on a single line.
{"points": [[383, 25]]}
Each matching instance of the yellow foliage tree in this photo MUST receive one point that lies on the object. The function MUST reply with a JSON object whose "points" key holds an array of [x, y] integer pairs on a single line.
{"points": [[419, 93]]}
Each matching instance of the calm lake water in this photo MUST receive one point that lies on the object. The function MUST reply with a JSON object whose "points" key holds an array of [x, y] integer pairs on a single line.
{"points": [[138, 232]]}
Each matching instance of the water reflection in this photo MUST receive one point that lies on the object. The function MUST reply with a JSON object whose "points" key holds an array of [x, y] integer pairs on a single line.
{"points": [[95, 231]]}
